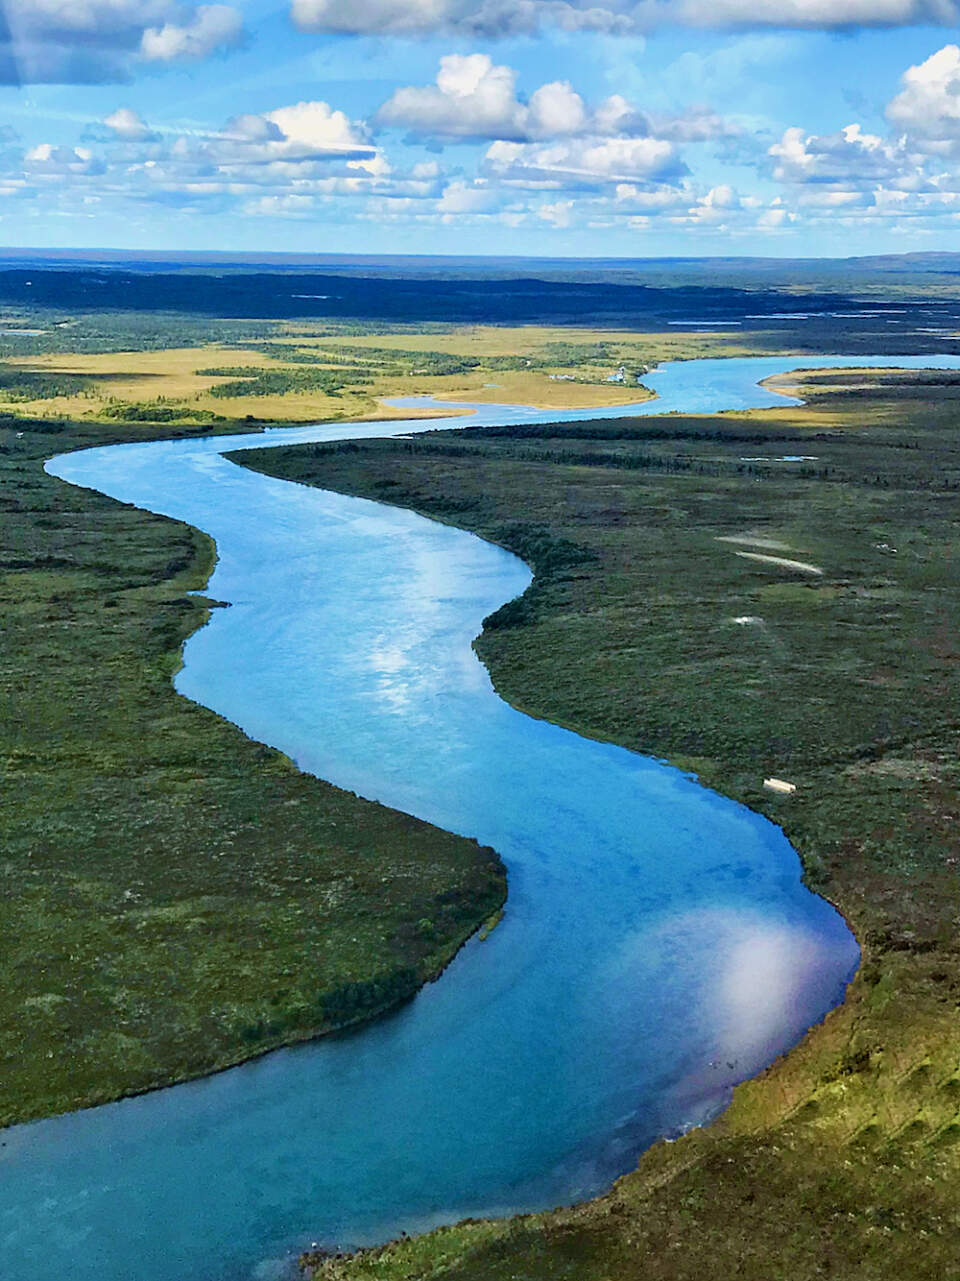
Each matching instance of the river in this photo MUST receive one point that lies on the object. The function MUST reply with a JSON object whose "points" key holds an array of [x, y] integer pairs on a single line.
{"points": [[658, 944]]}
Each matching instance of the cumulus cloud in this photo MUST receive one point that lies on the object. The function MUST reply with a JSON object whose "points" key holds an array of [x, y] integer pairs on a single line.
{"points": [[312, 128], [492, 18], [288, 137], [854, 176], [474, 98], [718, 210], [126, 125], [92, 41], [297, 161], [461, 197], [849, 156], [928, 106], [551, 159], [583, 162], [52, 161], [717, 204], [210, 28], [280, 206], [775, 217], [281, 163], [559, 214], [632, 199]]}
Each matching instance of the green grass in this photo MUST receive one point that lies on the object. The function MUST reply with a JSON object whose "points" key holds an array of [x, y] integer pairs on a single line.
{"points": [[173, 897], [843, 1159]]}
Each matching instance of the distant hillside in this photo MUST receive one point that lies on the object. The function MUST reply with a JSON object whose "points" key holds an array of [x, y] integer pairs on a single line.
{"points": [[412, 265]]}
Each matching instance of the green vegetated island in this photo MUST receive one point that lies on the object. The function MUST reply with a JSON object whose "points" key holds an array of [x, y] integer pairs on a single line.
{"points": [[177, 898]]}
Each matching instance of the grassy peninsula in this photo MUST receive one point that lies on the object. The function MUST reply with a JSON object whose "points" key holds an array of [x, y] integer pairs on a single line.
{"points": [[769, 593], [174, 897], [106, 369]]}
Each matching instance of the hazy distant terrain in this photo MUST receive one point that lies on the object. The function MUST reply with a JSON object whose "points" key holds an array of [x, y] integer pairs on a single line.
{"points": [[770, 295]]}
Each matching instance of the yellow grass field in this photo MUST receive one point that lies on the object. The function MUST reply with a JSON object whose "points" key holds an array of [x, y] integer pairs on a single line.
{"points": [[569, 376], [535, 389]]}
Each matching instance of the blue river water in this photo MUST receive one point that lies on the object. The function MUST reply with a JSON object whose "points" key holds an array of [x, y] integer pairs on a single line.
{"points": [[658, 945]]}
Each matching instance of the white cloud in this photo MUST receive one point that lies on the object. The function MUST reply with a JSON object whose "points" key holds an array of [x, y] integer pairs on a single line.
{"points": [[282, 163], [279, 206], [830, 199], [475, 98], [551, 160], [631, 199], [490, 18], [928, 106], [472, 98], [210, 28], [850, 156], [49, 160], [775, 217], [287, 140], [92, 41], [852, 177], [466, 198], [315, 127], [125, 124], [559, 214], [556, 109], [583, 162], [294, 162], [721, 208], [716, 205]]}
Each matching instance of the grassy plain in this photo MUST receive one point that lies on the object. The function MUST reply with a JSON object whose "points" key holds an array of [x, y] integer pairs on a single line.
{"points": [[842, 1160], [537, 365], [173, 897]]}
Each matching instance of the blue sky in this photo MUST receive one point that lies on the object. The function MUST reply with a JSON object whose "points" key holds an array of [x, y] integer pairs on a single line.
{"points": [[555, 127]]}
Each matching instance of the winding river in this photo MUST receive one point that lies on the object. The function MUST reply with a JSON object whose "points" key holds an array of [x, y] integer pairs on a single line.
{"points": [[658, 945]]}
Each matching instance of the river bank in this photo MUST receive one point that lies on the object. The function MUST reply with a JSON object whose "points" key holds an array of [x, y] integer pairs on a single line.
{"points": [[181, 899], [646, 628]]}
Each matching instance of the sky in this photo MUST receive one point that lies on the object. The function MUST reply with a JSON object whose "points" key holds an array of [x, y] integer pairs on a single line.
{"points": [[592, 128]]}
